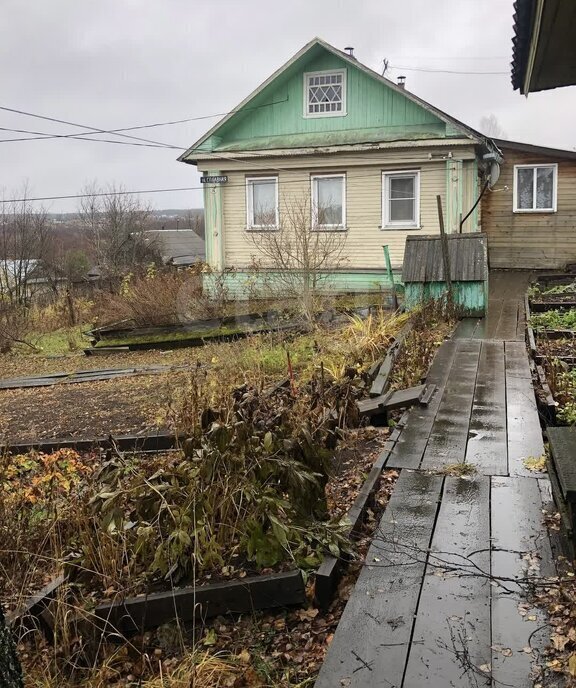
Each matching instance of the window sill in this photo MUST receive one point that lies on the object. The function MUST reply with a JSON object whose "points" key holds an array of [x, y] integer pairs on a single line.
{"points": [[400, 228], [271, 228], [330, 228], [535, 211]]}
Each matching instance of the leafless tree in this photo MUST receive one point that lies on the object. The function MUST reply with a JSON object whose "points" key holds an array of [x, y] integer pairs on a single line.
{"points": [[297, 254], [24, 245], [490, 126], [114, 222], [195, 221]]}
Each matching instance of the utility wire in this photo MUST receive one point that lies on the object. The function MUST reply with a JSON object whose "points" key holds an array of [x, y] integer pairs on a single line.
{"points": [[92, 130], [444, 71], [80, 137]]}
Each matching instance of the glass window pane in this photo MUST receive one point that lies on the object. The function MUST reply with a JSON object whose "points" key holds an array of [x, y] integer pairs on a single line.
{"points": [[264, 202], [525, 191], [544, 187], [402, 210], [401, 187], [329, 200]]}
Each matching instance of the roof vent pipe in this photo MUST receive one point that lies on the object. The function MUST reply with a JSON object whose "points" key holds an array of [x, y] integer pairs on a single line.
{"points": [[350, 50], [402, 81]]}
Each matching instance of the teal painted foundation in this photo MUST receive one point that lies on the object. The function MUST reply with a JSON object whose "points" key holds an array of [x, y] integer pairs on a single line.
{"points": [[246, 285], [472, 297]]}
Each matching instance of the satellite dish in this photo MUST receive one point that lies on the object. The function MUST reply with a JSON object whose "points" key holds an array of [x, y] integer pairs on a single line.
{"points": [[494, 175]]}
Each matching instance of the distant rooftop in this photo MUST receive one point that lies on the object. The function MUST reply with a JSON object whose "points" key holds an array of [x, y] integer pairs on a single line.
{"points": [[179, 246]]}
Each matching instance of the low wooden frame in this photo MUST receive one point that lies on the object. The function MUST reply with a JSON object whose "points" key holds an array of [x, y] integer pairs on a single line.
{"points": [[331, 569]]}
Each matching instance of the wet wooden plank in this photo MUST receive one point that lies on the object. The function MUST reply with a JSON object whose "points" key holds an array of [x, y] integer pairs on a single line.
{"points": [[410, 447], [493, 317], [449, 435], [523, 423], [508, 323], [466, 328], [454, 609], [518, 537], [372, 639], [487, 446]]}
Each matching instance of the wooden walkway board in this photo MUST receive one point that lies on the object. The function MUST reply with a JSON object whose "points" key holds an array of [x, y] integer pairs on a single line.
{"points": [[411, 445], [487, 447], [466, 328], [449, 435], [519, 542], [373, 636], [524, 433], [454, 607]]}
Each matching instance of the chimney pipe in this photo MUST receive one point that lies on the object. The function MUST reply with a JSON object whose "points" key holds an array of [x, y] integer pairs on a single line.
{"points": [[402, 82], [350, 50]]}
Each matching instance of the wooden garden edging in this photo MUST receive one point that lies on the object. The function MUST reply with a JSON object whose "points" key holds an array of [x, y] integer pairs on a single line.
{"points": [[331, 568], [138, 614], [382, 378], [134, 615], [159, 441], [35, 612]]}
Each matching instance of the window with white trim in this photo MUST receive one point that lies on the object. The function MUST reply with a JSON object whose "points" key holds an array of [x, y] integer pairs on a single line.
{"points": [[262, 202], [535, 188], [325, 93], [401, 199], [329, 201]]}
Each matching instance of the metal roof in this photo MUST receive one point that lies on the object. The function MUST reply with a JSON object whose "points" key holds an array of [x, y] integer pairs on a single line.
{"points": [[544, 45], [178, 246], [536, 150], [423, 258]]}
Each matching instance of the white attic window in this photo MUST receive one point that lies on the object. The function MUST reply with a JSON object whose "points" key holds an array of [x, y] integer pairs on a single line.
{"points": [[325, 93]]}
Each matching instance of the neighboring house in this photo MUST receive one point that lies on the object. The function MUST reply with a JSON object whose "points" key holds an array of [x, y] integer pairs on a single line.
{"points": [[366, 155], [179, 247], [530, 213], [544, 42], [23, 279]]}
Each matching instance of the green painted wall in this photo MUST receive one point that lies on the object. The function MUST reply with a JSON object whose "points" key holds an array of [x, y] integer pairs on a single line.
{"points": [[374, 112], [471, 296], [244, 284]]}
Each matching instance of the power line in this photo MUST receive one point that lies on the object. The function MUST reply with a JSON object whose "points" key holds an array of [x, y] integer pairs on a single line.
{"points": [[92, 130], [80, 137], [445, 71]]}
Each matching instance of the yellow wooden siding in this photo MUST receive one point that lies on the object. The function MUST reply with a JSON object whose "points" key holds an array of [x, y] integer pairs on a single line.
{"points": [[363, 201], [530, 240]]}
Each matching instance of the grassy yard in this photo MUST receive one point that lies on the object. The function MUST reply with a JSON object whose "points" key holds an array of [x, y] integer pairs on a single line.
{"points": [[260, 484]]}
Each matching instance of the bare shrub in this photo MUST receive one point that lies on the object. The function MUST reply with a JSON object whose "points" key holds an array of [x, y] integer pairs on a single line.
{"points": [[299, 255], [15, 326], [150, 299]]}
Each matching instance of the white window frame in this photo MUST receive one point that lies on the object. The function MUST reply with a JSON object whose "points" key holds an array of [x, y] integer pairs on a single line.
{"points": [[325, 72], [314, 204], [250, 224], [387, 223], [516, 209]]}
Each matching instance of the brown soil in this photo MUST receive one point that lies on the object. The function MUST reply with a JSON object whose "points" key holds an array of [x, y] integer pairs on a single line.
{"points": [[123, 406]]}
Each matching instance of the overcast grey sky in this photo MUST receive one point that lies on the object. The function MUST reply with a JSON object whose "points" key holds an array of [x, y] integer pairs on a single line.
{"points": [[119, 63]]}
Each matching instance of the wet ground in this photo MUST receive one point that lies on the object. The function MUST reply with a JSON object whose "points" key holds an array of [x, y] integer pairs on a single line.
{"points": [[444, 598]]}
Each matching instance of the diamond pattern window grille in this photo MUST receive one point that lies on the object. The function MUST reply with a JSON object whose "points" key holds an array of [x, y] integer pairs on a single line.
{"points": [[325, 93]]}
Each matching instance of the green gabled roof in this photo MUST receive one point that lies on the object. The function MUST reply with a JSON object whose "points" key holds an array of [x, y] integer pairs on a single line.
{"points": [[248, 126]]}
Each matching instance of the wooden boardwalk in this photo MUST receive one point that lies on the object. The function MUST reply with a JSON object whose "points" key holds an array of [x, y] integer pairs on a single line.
{"points": [[441, 600]]}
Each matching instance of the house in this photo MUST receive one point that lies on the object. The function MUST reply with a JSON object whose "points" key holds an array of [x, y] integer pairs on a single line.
{"points": [[178, 247], [544, 54], [363, 154], [529, 213]]}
